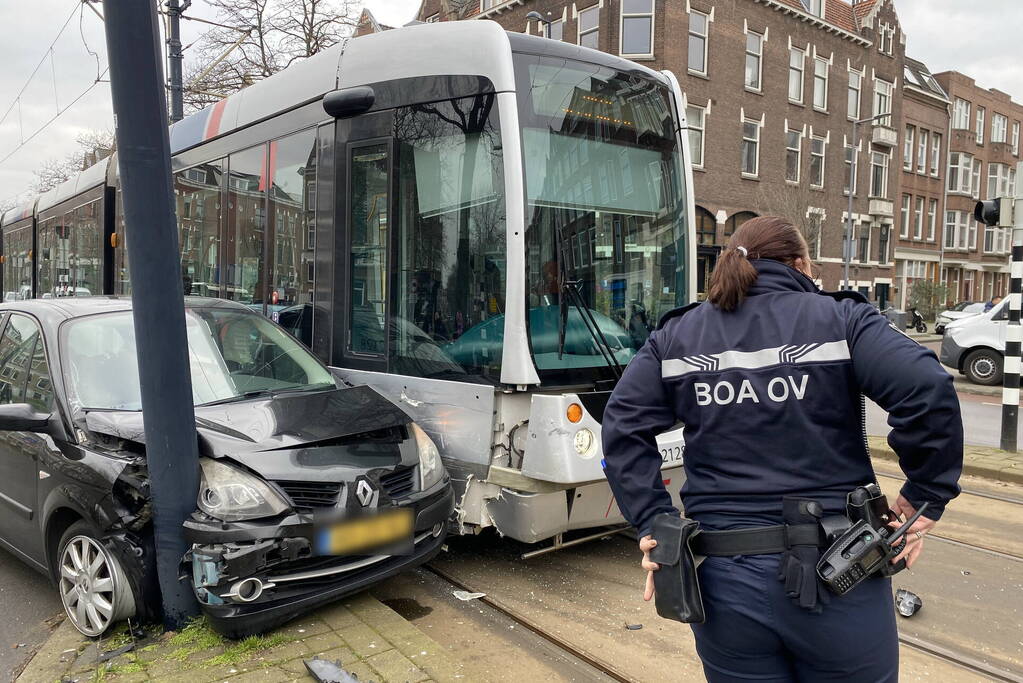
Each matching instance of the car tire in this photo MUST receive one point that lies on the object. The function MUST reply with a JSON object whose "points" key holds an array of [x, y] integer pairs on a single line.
{"points": [[91, 581], [983, 366]]}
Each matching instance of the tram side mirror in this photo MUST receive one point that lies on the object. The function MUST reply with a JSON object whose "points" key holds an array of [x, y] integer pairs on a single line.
{"points": [[343, 104]]}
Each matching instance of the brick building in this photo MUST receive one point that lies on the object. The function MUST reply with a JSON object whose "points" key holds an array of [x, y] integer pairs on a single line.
{"points": [[984, 148], [925, 120]]}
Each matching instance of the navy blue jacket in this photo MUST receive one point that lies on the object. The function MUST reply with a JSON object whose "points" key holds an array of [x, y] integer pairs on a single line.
{"points": [[771, 399]]}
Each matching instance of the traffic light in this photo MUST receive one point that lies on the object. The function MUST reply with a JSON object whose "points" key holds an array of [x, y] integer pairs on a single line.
{"points": [[993, 212]]}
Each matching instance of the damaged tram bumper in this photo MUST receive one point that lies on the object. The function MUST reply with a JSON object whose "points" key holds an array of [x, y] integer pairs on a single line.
{"points": [[251, 576]]}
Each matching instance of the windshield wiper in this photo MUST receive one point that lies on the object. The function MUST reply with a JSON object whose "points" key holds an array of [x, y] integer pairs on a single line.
{"points": [[270, 393], [571, 288]]}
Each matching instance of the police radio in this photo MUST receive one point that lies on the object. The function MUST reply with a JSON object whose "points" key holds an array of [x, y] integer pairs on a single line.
{"points": [[866, 544]]}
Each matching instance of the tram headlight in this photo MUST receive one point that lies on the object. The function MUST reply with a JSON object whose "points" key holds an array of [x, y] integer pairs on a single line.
{"points": [[583, 441], [431, 470]]}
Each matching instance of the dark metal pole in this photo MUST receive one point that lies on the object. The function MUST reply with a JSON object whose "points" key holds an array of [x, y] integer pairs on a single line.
{"points": [[174, 58], [143, 148], [1013, 330]]}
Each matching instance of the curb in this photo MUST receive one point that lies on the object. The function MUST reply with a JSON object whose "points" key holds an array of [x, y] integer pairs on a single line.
{"points": [[980, 461]]}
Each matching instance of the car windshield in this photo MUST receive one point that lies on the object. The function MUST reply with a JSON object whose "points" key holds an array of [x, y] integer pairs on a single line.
{"points": [[232, 355]]}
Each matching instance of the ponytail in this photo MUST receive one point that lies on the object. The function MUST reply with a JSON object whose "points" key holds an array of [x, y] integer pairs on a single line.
{"points": [[767, 237]]}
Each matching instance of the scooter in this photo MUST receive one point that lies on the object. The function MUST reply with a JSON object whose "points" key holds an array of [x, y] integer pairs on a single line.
{"points": [[917, 321]]}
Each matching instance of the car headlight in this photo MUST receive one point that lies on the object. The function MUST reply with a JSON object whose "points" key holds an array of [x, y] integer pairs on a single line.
{"points": [[431, 470], [231, 494]]}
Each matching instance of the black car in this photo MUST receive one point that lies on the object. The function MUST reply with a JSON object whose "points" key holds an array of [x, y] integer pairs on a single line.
{"points": [[310, 489]]}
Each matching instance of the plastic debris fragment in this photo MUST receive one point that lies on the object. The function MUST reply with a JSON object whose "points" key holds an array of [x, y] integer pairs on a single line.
{"points": [[466, 595], [325, 671], [907, 602], [633, 627]]}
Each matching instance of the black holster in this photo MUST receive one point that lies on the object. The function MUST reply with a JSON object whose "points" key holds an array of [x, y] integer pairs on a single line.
{"points": [[676, 584]]}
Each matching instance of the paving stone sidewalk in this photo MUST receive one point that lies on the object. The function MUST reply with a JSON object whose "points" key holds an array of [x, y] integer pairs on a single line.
{"points": [[982, 461], [370, 640]]}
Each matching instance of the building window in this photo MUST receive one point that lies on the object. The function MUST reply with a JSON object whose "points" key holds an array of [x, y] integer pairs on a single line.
{"points": [[999, 128], [817, 146], [885, 39], [793, 152], [950, 229], [907, 149], [589, 27], [1001, 181], [921, 153], [814, 7], [706, 226], [820, 83], [637, 28], [699, 23], [907, 203], [864, 243], [750, 148], [882, 101], [1015, 138], [960, 173], [850, 177], [797, 59], [990, 243], [918, 224], [433, 19], [879, 175], [972, 229], [754, 60], [932, 218], [695, 119], [855, 87], [993, 172], [961, 114], [882, 244], [980, 125], [815, 228], [978, 169], [935, 154], [557, 30]]}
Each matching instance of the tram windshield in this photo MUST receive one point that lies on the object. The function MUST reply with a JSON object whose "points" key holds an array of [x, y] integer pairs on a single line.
{"points": [[605, 207]]}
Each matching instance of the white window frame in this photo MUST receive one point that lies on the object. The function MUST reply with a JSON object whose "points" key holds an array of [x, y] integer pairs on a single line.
{"points": [[980, 125], [595, 7], [932, 218], [707, 18], [802, 73], [858, 89], [885, 164], [991, 239], [908, 147], [798, 149], [951, 226], [978, 174], [622, 16], [759, 56], [849, 152], [961, 114], [817, 80], [759, 125], [433, 18], [813, 7], [922, 145], [972, 229], [701, 129], [883, 95], [1015, 138], [999, 127], [993, 173], [918, 219], [907, 207], [935, 154], [823, 157], [960, 173]]}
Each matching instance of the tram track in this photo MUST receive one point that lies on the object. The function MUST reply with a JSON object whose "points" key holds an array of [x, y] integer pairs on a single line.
{"points": [[964, 491], [961, 660]]}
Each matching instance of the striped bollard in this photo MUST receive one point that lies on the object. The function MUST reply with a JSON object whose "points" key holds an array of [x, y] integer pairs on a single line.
{"points": [[1013, 330]]}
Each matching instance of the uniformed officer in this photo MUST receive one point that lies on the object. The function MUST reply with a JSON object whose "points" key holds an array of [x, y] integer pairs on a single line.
{"points": [[768, 378]]}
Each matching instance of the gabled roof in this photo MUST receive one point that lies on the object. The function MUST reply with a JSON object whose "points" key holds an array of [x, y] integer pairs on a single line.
{"points": [[863, 7]]}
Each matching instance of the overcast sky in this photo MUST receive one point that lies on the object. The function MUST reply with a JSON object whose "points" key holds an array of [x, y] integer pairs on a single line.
{"points": [[945, 34]]}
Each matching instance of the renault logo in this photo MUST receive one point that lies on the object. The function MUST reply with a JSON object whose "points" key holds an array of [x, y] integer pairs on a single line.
{"points": [[365, 493]]}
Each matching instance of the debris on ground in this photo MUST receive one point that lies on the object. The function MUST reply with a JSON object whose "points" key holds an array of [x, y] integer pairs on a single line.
{"points": [[466, 595], [907, 602], [633, 627], [326, 671], [110, 654]]}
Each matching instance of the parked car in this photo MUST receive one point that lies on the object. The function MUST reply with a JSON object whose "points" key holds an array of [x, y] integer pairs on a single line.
{"points": [[296, 467], [963, 309], [975, 345]]}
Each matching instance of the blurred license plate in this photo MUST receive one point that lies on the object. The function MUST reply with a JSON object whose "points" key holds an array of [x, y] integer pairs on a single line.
{"points": [[388, 533]]}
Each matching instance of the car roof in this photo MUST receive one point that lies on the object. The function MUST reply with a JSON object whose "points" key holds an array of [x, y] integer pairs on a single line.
{"points": [[80, 306]]}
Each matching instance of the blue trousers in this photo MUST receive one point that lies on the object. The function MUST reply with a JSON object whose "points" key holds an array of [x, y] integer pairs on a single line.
{"points": [[753, 632]]}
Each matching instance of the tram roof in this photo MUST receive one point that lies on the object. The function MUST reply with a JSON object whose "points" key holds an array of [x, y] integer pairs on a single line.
{"points": [[19, 212], [90, 177]]}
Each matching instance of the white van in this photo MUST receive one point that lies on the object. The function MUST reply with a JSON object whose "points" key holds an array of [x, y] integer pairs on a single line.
{"points": [[975, 345]]}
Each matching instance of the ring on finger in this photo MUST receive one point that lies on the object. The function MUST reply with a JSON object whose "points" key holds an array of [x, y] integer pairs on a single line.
{"points": [[919, 535]]}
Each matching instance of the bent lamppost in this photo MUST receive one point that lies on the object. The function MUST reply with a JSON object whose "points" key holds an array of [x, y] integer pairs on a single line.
{"points": [[853, 169], [536, 16], [143, 150]]}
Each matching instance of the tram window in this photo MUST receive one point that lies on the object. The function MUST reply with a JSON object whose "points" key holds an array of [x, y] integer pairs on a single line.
{"points": [[449, 302], [292, 214], [246, 211], [18, 264], [197, 193], [122, 283], [86, 273], [368, 265], [45, 247]]}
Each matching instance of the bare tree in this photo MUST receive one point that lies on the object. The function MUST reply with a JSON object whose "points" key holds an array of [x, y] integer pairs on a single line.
{"points": [[799, 204], [93, 146], [453, 10], [260, 38], [7, 204]]}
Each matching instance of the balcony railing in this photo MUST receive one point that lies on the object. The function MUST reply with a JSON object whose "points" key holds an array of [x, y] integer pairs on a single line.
{"points": [[885, 136]]}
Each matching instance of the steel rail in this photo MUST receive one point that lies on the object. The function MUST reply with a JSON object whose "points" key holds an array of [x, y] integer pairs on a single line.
{"points": [[969, 492], [560, 643], [959, 659]]}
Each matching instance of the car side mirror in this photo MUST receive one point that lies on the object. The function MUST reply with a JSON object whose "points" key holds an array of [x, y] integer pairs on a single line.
{"points": [[21, 417]]}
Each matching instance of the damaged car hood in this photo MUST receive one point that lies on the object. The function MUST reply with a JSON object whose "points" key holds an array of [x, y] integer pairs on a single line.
{"points": [[276, 434]]}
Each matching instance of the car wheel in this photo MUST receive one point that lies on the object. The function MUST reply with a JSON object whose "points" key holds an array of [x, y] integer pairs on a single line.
{"points": [[92, 583], [983, 366]]}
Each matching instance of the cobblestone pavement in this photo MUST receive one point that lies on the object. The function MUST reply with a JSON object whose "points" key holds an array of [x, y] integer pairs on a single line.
{"points": [[368, 638]]}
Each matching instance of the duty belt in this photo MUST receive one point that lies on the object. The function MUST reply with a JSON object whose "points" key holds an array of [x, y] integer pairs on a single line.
{"points": [[760, 540]]}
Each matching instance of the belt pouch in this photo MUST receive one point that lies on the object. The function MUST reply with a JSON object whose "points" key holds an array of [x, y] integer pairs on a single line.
{"points": [[676, 585]]}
